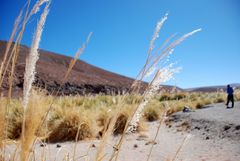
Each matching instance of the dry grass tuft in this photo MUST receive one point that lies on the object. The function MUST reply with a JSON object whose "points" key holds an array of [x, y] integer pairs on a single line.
{"points": [[199, 105], [151, 114], [120, 124], [3, 105], [34, 114], [69, 126], [14, 118]]}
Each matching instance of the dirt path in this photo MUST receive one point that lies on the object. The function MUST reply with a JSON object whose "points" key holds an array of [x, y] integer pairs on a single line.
{"points": [[214, 136]]}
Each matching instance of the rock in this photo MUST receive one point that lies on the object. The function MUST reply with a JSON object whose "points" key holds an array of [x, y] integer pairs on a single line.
{"points": [[237, 127], [58, 146], [151, 142], [226, 127], [196, 127], [42, 145]]}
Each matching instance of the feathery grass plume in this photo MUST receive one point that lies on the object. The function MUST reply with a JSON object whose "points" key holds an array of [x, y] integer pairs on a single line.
{"points": [[156, 33], [14, 31], [78, 53], [153, 62], [15, 51], [162, 76], [36, 7], [132, 124], [167, 74], [140, 76], [31, 60], [29, 76]]}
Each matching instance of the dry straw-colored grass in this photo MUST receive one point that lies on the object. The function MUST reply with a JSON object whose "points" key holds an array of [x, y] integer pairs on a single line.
{"points": [[72, 117], [57, 119]]}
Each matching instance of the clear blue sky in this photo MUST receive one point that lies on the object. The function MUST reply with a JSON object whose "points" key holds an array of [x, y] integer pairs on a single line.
{"points": [[123, 30]]}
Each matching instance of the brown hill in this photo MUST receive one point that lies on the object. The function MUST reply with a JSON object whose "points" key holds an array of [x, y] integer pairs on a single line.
{"points": [[83, 79], [51, 68]]}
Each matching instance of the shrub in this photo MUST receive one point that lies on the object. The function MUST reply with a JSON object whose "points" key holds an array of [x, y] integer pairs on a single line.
{"points": [[199, 105], [219, 100], [14, 118], [151, 114], [165, 97], [179, 96], [206, 102], [120, 124], [69, 127]]}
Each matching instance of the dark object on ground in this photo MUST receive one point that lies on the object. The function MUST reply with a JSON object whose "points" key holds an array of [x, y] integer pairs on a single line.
{"points": [[42, 144], [186, 109], [59, 146], [237, 127], [135, 146], [151, 142], [226, 127]]}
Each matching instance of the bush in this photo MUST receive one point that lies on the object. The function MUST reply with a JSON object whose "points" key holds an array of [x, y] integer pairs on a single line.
{"points": [[69, 128], [120, 124], [151, 114], [179, 96], [14, 118], [199, 105], [165, 97], [219, 100]]}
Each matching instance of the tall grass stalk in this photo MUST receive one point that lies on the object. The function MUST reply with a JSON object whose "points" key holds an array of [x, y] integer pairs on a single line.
{"points": [[149, 65], [162, 119], [106, 135], [9, 44], [181, 146], [31, 60], [78, 53], [15, 51], [162, 75], [140, 76], [133, 121], [71, 65], [134, 88], [28, 128]]}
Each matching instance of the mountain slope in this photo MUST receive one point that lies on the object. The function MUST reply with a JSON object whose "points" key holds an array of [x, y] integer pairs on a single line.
{"points": [[51, 68]]}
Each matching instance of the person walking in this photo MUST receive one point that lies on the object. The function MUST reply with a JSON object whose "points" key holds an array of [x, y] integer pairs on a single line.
{"points": [[230, 96]]}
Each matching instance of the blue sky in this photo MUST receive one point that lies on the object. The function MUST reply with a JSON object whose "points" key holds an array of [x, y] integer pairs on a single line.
{"points": [[122, 31]]}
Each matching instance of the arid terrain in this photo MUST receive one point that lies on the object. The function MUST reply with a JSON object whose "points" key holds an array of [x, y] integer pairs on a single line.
{"points": [[59, 107], [210, 134]]}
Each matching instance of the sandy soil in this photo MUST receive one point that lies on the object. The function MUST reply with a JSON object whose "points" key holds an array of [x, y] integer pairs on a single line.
{"points": [[214, 136]]}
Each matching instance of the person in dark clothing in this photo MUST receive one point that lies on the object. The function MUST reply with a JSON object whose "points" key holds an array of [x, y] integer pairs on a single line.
{"points": [[230, 96]]}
